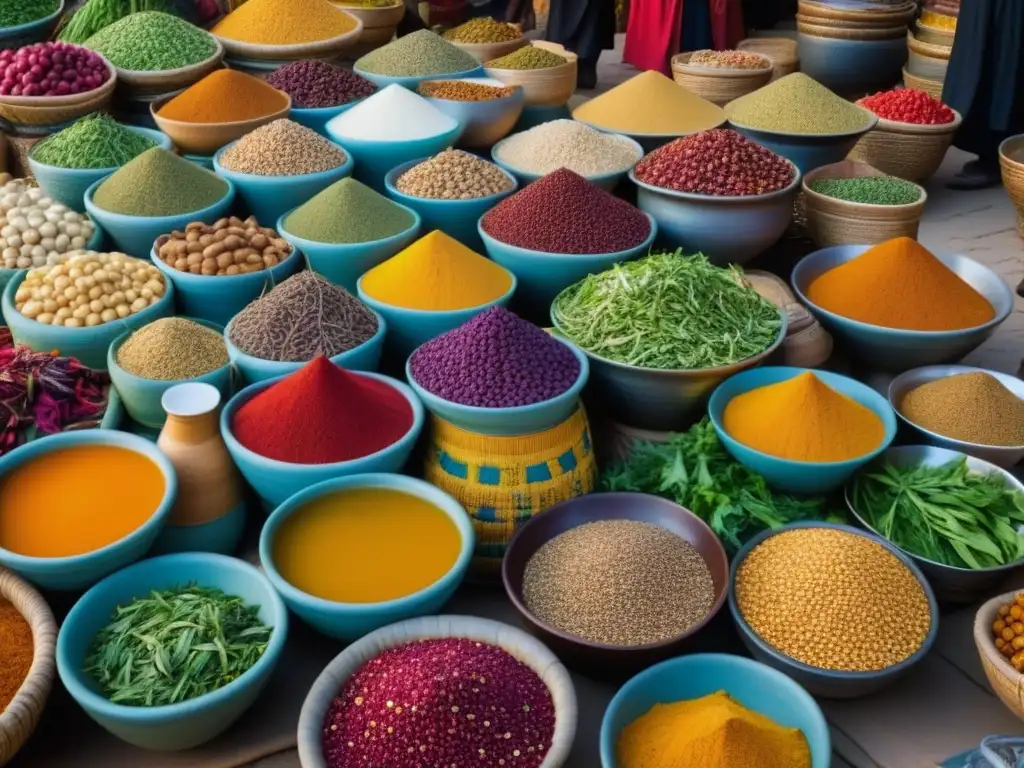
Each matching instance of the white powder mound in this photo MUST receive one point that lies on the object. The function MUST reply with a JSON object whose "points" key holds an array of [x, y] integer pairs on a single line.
{"points": [[392, 114], [567, 144]]}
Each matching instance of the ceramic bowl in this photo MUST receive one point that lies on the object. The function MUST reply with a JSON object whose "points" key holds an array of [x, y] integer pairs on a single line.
{"points": [[412, 81], [805, 477], [344, 263], [31, 32], [136, 83], [756, 686], [275, 481], [68, 185], [135, 235], [895, 349], [483, 122], [189, 723], [77, 572], [808, 151], [514, 641], [728, 230], [218, 298], [539, 530], [456, 218], [606, 181], [350, 621], [317, 118], [323, 49], [828, 683], [203, 161], [206, 138], [852, 67], [88, 344], [268, 197]]}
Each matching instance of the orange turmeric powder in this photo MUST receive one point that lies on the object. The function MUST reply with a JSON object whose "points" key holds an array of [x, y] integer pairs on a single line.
{"points": [[224, 96], [713, 731], [284, 22], [803, 419], [899, 284]]}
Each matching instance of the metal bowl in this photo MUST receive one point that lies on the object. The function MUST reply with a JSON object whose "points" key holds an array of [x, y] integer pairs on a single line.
{"points": [[951, 584], [897, 349]]}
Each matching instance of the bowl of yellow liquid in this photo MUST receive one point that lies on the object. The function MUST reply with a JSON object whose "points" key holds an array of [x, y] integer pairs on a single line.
{"points": [[353, 554]]}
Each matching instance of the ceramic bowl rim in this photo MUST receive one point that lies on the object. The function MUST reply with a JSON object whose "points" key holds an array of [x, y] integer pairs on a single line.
{"points": [[216, 56], [30, 25], [323, 111], [392, 176], [529, 253], [249, 178], [157, 105], [197, 215], [518, 95], [595, 179], [413, 486], [141, 381], [448, 136], [650, 136], [835, 674], [694, 197], [154, 134], [469, 312], [73, 676], [558, 70], [679, 511], [399, 79], [1017, 138], [188, 278]]}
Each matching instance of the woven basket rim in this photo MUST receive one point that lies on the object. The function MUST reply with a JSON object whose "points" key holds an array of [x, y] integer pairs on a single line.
{"points": [[919, 129], [928, 50], [984, 641], [854, 35], [681, 64], [1017, 165], [788, 50], [852, 207]]}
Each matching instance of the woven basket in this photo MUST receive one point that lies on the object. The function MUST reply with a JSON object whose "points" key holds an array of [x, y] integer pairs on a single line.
{"points": [[19, 719], [912, 152], [1006, 682], [924, 48], [484, 52], [550, 87], [883, 16], [932, 87], [1011, 163], [3, 152], [719, 86], [36, 116], [845, 33], [781, 50], [927, 67], [934, 35]]}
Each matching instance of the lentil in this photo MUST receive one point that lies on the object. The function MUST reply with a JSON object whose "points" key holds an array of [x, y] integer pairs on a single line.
{"points": [[159, 183], [567, 144], [348, 212], [14, 13], [797, 104], [907, 105], [283, 148], [565, 213], [457, 90], [415, 55], [453, 175], [293, 22], [973, 407], [833, 600], [729, 60], [50, 69], [392, 114], [172, 349], [619, 582], [224, 96], [151, 40], [483, 29], [440, 702], [229, 246], [496, 360], [873, 190], [719, 162], [315, 84], [96, 141], [527, 57], [1008, 631], [34, 229], [302, 318]]}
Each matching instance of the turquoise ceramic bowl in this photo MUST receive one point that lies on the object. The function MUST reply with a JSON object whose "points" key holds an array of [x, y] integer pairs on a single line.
{"points": [[89, 345], [456, 218], [519, 420], [135, 235], [189, 723], [317, 118], [365, 357], [536, 114], [806, 477], [807, 151], [31, 32], [274, 481], [606, 181], [350, 621], [344, 263], [203, 161], [141, 397], [221, 536], [219, 298], [754, 685], [68, 185], [77, 572], [542, 276], [267, 197], [95, 244], [411, 82]]}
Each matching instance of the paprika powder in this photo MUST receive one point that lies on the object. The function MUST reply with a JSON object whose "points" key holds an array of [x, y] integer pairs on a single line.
{"points": [[16, 651]]}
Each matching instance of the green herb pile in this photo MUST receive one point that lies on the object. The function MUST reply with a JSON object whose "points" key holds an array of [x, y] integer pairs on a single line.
{"points": [[95, 141], [97, 14], [175, 645], [694, 470], [14, 13], [874, 190], [152, 41], [947, 514]]}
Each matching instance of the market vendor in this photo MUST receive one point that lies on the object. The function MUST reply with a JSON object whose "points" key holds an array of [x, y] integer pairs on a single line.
{"points": [[659, 29], [585, 27]]}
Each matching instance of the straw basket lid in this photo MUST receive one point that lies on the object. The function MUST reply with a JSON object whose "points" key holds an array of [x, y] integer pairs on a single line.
{"points": [[166, 80], [314, 50], [71, 99], [846, 33], [19, 719], [1006, 681]]}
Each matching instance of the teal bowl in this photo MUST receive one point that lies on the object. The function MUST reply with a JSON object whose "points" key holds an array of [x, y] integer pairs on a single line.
{"points": [[274, 481], [344, 263], [365, 357], [606, 181], [78, 572], [141, 397], [95, 244], [69, 185], [268, 197], [203, 161], [411, 82], [135, 235], [219, 298], [317, 118], [89, 345], [350, 621], [542, 276], [189, 723], [456, 218], [806, 477], [31, 32], [807, 151], [754, 685], [518, 420]]}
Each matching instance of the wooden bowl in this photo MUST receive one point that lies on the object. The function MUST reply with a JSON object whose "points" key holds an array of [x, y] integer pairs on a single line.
{"points": [[19, 719], [73, 99], [207, 138], [718, 84], [316, 50], [1011, 164], [138, 82], [1006, 682], [909, 151], [550, 87], [57, 115], [484, 52]]}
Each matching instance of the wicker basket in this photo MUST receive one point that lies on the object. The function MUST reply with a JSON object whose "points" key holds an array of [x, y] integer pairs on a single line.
{"points": [[550, 87], [845, 33], [931, 50], [934, 35], [781, 50], [19, 719], [927, 67], [18, 115], [912, 152], [932, 87], [883, 16], [1006, 682], [1011, 163], [719, 86]]}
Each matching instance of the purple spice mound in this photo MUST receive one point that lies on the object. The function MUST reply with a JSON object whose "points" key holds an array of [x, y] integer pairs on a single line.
{"points": [[496, 360], [313, 84], [444, 702]]}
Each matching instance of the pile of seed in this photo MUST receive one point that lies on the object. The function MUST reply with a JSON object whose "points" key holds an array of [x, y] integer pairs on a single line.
{"points": [[95, 141], [797, 104], [483, 29], [14, 13], [348, 212], [453, 175], [415, 55], [229, 246], [302, 318], [528, 57], [283, 148], [567, 144], [159, 183], [875, 190], [172, 349], [619, 582], [458, 90], [833, 600], [150, 41], [974, 407], [729, 60], [314, 84]]}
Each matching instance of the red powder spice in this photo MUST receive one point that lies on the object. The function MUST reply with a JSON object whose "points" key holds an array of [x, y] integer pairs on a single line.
{"points": [[322, 414], [565, 213], [437, 704]]}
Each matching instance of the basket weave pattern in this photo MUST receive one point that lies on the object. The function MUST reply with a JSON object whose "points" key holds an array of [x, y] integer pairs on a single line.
{"points": [[904, 150], [719, 86], [1006, 682], [782, 52], [1013, 180], [932, 87]]}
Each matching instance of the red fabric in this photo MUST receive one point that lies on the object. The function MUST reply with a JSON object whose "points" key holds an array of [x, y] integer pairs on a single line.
{"points": [[652, 34], [726, 23]]}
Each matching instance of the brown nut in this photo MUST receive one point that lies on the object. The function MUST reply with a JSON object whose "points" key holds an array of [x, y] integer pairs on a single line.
{"points": [[224, 261], [259, 241], [214, 250], [194, 258], [234, 242], [232, 270], [192, 236], [181, 265], [220, 223], [195, 247], [269, 260], [192, 226]]}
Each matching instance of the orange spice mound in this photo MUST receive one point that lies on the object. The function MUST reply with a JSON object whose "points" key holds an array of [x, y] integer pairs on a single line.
{"points": [[224, 96], [284, 22]]}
